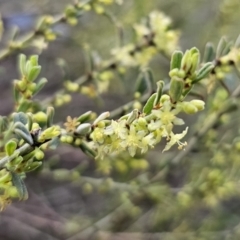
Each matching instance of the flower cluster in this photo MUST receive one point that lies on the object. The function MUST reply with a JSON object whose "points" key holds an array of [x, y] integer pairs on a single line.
{"points": [[225, 63], [139, 131], [153, 36], [164, 38]]}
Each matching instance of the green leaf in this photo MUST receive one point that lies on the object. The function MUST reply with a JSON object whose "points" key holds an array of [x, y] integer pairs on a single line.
{"points": [[41, 83], [186, 61], [141, 85], [10, 147], [132, 116], [23, 132], [22, 64], [24, 136], [24, 105], [27, 157], [85, 117], [20, 185], [34, 60], [30, 121], [3, 123], [227, 49], [33, 73], [20, 117], [33, 166], [28, 67], [149, 78], [176, 60], [176, 89], [50, 115], [149, 104], [237, 43], [208, 53], [87, 150], [16, 92], [204, 71], [160, 85], [221, 46]]}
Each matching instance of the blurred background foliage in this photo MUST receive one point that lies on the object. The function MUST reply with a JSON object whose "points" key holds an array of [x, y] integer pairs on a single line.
{"points": [[159, 196]]}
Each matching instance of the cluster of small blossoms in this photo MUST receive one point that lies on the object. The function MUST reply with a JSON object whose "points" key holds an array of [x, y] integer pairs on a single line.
{"points": [[139, 131], [91, 90], [153, 36], [95, 5], [225, 63]]}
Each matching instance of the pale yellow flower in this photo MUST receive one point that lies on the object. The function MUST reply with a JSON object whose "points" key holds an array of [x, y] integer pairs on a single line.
{"points": [[175, 138], [71, 124]]}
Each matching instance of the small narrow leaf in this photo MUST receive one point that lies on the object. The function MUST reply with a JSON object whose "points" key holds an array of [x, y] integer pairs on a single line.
{"points": [[33, 166], [24, 106], [28, 67], [227, 48], [208, 53], [50, 115], [149, 104], [149, 78], [41, 83], [20, 117], [141, 85], [204, 71], [16, 92], [33, 73], [34, 60], [176, 60], [176, 89], [30, 121], [101, 117], [85, 117], [3, 123], [20, 185], [87, 150], [22, 64], [221, 46], [10, 147], [160, 85], [237, 43], [132, 116], [24, 136]]}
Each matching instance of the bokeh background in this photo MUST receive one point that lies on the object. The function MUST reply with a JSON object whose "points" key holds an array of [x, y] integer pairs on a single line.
{"points": [[93, 206]]}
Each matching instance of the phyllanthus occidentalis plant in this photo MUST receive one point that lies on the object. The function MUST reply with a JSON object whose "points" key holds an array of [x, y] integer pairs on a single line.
{"points": [[28, 132]]}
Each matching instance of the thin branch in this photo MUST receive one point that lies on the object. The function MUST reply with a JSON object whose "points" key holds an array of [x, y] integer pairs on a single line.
{"points": [[26, 148], [208, 124]]}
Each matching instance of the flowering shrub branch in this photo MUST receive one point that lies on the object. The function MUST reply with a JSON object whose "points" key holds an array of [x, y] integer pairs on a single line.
{"points": [[135, 127]]}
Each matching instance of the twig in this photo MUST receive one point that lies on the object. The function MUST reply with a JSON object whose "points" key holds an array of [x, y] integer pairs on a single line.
{"points": [[22, 150], [208, 124]]}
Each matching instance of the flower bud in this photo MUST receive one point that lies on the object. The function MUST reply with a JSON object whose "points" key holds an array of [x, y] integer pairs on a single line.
{"points": [[101, 117], [83, 129], [22, 85], [186, 61], [133, 115], [164, 98], [40, 117], [69, 139], [39, 155], [189, 108], [199, 104]]}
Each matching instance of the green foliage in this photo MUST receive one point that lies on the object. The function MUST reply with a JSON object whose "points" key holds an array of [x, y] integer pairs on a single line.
{"points": [[119, 140]]}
